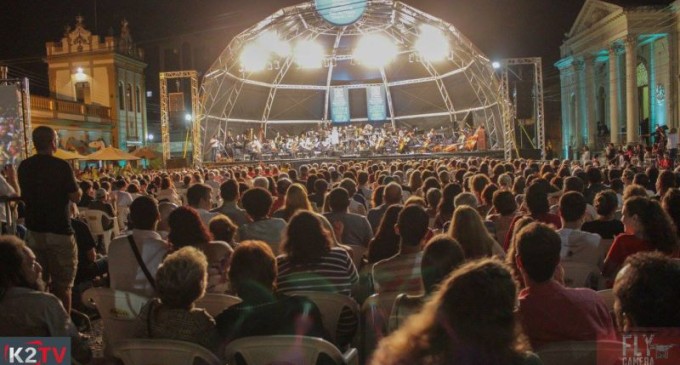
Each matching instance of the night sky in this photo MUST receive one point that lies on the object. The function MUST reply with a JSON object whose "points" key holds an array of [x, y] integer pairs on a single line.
{"points": [[500, 28]]}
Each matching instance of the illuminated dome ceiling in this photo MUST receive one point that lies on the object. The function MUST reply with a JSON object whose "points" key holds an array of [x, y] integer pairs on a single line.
{"points": [[295, 68]]}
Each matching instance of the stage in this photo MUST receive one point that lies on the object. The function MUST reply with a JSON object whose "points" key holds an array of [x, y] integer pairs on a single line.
{"points": [[296, 162]]}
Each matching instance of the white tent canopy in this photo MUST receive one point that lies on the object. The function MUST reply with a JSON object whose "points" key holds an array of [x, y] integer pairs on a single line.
{"points": [[460, 89]]}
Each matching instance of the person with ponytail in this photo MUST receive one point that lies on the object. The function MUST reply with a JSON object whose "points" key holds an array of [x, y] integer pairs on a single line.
{"points": [[647, 228]]}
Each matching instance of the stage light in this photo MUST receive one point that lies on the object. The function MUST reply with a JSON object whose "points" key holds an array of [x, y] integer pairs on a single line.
{"points": [[254, 58], [496, 65], [309, 54], [187, 117], [432, 45], [149, 137], [270, 40], [375, 50]]}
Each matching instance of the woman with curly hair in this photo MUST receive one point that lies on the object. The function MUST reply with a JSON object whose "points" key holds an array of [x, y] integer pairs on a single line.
{"points": [[187, 229], [647, 228], [470, 320], [296, 199]]}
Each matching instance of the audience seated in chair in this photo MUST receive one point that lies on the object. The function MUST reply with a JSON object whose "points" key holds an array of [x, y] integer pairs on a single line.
{"points": [[229, 192], [187, 229], [401, 273], [25, 309], [310, 263], [550, 312], [647, 228], [442, 255], [471, 319], [264, 312], [577, 245], [357, 231], [647, 293], [257, 202], [124, 269], [180, 281], [606, 204]]}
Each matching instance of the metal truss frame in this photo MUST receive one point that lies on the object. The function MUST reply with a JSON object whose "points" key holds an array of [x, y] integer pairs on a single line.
{"points": [[223, 83], [165, 116], [539, 107]]}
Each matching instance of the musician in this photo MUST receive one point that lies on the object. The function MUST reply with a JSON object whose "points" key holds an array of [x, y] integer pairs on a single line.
{"points": [[214, 148], [481, 138], [335, 137]]}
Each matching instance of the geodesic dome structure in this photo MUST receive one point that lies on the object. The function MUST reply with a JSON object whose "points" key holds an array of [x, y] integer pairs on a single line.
{"points": [[283, 74]]}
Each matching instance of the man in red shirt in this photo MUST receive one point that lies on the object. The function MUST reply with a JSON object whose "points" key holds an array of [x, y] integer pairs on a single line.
{"points": [[550, 312]]}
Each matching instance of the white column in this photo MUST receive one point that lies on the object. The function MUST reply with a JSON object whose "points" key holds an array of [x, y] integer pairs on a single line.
{"points": [[632, 115], [614, 95], [591, 102], [577, 126]]}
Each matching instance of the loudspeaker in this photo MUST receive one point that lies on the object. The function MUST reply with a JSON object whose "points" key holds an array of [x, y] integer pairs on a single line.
{"points": [[176, 163], [524, 100]]}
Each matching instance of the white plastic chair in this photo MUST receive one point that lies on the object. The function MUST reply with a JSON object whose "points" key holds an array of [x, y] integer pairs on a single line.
{"points": [[122, 216], [215, 303], [297, 350], [330, 305], [162, 352], [375, 314], [582, 353], [93, 218], [118, 309], [581, 275]]}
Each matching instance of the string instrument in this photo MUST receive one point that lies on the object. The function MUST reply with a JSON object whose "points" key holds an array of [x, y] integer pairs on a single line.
{"points": [[471, 142]]}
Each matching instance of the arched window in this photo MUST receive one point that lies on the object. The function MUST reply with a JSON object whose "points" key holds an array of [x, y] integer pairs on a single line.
{"points": [[128, 96], [139, 99], [121, 96]]}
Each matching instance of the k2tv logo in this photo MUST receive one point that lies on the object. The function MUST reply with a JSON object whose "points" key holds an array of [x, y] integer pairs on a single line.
{"points": [[35, 350]]}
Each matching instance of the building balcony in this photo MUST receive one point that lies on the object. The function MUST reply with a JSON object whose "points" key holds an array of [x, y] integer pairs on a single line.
{"points": [[51, 108]]}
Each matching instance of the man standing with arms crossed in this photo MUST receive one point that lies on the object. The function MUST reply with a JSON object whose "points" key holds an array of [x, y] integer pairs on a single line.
{"points": [[48, 186]]}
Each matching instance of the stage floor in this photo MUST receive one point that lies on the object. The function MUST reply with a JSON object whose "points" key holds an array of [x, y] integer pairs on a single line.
{"points": [[295, 162]]}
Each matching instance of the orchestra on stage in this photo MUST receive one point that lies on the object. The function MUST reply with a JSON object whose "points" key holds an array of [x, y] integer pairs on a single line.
{"points": [[349, 140]]}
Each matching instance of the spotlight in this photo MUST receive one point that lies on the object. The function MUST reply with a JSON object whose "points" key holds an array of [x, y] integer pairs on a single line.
{"points": [[432, 44], [496, 65], [270, 40], [309, 54], [254, 58], [187, 117], [375, 50]]}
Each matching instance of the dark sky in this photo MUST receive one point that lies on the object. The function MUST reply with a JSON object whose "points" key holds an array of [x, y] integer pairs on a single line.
{"points": [[500, 28]]}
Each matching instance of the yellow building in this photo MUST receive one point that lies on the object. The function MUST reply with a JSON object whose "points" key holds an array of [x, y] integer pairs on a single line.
{"points": [[97, 90]]}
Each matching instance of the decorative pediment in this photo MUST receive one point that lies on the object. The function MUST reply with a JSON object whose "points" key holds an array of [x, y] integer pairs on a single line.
{"points": [[79, 37], [592, 12]]}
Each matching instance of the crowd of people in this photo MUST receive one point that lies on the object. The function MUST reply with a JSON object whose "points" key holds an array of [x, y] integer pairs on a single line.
{"points": [[475, 252]]}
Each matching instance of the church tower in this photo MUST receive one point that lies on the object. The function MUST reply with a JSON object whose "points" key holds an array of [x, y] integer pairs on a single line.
{"points": [[107, 76]]}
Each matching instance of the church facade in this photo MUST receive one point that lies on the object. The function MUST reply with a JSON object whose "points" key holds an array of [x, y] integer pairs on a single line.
{"points": [[97, 90], [617, 74]]}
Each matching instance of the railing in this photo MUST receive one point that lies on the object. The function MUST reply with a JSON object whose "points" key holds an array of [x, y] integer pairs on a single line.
{"points": [[70, 107]]}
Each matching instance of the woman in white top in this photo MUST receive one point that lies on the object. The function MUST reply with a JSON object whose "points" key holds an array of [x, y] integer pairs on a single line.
{"points": [[168, 192]]}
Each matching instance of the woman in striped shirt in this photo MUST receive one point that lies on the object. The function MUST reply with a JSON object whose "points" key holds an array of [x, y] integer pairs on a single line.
{"points": [[311, 263]]}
